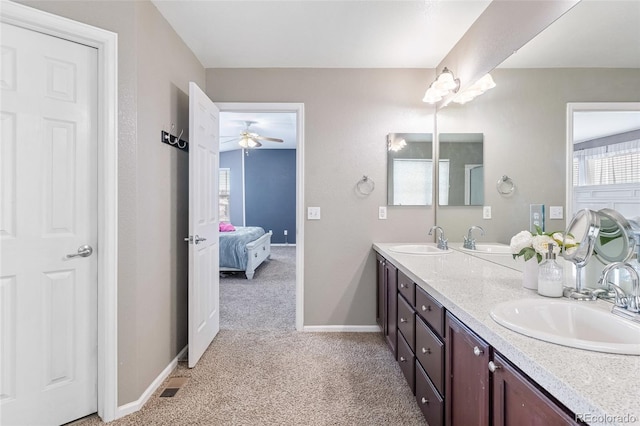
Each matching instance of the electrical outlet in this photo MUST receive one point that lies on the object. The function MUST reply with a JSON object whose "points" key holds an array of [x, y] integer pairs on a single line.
{"points": [[555, 212], [536, 217], [313, 213], [286, 232], [382, 212], [486, 212]]}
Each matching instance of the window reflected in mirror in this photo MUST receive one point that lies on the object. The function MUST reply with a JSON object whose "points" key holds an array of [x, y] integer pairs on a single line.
{"points": [[409, 169]]}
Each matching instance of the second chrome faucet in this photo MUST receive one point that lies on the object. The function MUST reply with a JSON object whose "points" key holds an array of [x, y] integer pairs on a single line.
{"points": [[469, 241]]}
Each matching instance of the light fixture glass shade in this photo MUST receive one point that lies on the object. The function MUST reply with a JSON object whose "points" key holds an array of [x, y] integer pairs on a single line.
{"points": [[432, 96], [445, 81], [486, 83]]}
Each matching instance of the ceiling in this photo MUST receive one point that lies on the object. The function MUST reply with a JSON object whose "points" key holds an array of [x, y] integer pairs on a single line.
{"points": [[281, 125], [589, 125], [382, 34]]}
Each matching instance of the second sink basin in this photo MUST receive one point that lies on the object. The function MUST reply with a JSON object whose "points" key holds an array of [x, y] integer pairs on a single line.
{"points": [[570, 323], [421, 249]]}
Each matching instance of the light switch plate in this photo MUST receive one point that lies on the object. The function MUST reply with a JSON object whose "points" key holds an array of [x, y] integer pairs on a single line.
{"points": [[555, 212], [486, 212], [382, 212], [313, 213]]}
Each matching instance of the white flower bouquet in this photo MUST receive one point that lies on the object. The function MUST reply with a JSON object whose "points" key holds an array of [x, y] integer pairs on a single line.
{"points": [[528, 245]]}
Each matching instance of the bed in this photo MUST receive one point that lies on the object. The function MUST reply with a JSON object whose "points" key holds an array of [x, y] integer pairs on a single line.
{"points": [[244, 249]]}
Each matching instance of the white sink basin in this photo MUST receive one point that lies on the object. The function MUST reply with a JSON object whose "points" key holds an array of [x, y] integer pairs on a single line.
{"points": [[420, 249], [490, 249], [583, 325]]}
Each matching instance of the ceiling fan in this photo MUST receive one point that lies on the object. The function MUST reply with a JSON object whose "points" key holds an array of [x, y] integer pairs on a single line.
{"points": [[248, 139]]}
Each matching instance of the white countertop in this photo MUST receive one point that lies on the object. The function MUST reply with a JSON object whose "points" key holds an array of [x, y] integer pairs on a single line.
{"points": [[605, 388]]}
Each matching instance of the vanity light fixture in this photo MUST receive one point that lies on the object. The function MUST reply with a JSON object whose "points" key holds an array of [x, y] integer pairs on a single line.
{"points": [[443, 85], [476, 89]]}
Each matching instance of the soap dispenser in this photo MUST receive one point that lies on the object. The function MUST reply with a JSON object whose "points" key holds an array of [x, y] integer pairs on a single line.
{"points": [[550, 275]]}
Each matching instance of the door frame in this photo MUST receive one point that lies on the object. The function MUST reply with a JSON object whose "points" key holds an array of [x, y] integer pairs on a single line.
{"points": [[298, 109], [106, 44]]}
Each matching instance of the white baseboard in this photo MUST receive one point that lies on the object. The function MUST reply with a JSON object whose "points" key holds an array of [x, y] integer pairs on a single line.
{"points": [[282, 245], [136, 405], [342, 328]]}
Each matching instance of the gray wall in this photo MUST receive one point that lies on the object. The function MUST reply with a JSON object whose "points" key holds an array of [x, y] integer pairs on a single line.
{"points": [[524, 124], [348, 113], [154, 68]]}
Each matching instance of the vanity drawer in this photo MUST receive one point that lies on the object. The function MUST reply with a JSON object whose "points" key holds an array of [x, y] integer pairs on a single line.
{"points": [[407, 288], [407, 322], [407, 362], [429, 401], [430, 310], [430, 352]]}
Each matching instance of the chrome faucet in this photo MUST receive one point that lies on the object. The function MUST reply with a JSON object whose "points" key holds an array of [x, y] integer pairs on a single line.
{"points": [[469, 241], [625, 305], [442, 243]]}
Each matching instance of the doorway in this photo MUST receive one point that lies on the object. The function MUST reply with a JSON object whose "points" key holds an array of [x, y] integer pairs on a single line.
{"points": [[298, 235]]}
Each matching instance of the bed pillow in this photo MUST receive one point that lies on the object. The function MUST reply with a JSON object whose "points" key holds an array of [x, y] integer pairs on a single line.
{"points": [[226, 227]]}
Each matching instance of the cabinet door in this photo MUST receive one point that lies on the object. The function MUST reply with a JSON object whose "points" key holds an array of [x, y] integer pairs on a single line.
{"points": [[516, 401], [380, 309], [391, 277], [467, 376]]}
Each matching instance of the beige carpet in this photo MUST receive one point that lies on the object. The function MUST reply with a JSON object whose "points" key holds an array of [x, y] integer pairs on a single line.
{"points": [[263, 375]]}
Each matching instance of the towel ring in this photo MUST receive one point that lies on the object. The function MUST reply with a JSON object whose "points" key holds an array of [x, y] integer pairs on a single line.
{"points": [[505, 185], [365, 186]]}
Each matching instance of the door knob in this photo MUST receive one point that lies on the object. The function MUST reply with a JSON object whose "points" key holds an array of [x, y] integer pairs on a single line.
{"points": [[83, 251], [198, 239]]}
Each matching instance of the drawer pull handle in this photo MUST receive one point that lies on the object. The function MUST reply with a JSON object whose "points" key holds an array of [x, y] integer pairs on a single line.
{"points": [[403, 320], [493, 367], [477, 351], [402, 359], [402, 285], [426, 351], [426, 308], [425, 400]]}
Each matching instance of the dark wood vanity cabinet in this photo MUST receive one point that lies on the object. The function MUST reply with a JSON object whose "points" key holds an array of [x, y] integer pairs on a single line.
{"points": [[387, 303], [518, 401], [467, 376], [447, 365]]}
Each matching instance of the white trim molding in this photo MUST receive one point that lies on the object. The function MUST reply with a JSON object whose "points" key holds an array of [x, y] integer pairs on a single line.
{"points": [[106, 44], [132, 407], [298, 108], [342, 328]]}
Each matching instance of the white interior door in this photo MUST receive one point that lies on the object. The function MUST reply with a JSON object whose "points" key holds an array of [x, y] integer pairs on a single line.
{"points": [[48, 301], [204, 263]]}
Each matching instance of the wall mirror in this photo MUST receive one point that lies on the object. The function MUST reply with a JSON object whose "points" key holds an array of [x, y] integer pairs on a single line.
{"points": [[461, 169], [409, 169], [590, 53]]}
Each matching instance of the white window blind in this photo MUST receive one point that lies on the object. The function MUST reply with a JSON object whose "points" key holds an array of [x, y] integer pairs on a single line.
{"points": [[412, 182], [224, 193], [607, 165]]}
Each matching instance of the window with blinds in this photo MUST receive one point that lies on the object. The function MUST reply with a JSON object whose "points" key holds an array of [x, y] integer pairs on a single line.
{"points": [[607, 165], [223, 194]]}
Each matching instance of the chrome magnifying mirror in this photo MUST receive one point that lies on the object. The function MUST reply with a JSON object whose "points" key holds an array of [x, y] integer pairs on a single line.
{"points": [[616, 240], [579, 241]]}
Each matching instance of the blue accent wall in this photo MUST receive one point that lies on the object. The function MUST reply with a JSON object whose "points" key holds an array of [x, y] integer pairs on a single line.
{"points": [[233, 160], [270, 192]]}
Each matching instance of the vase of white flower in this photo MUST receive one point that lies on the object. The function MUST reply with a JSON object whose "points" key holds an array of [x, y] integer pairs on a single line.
{"points": [[532, 247]]}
